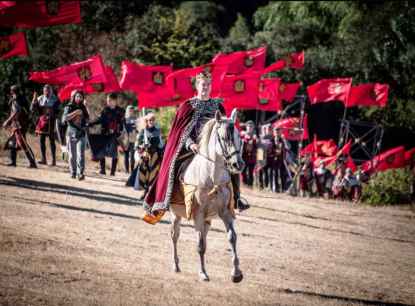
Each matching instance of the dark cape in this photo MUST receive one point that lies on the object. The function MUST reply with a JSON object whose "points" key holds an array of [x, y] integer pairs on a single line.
{"points": [[187, 116]]}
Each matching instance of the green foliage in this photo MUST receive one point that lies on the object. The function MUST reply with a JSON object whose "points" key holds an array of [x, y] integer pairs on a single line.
{"points": [[388, 188], [165, 118], [239, 35]]}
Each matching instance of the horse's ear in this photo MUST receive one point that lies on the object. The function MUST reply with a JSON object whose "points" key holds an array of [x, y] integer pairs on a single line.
{"points": [[218, 116], [233, 115]]}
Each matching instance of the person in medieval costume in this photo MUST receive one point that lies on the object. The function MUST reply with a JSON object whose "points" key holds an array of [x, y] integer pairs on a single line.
{"points": [[268, 145], [18, 122], [324, 179], [47, 107], [76, 116], [112, 123], [279, 165], [149, 146], [182, 144], [131, 135], [250, 140], [306, 177]]}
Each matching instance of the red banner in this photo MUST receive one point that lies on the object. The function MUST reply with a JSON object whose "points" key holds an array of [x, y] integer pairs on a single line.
{"points": [[268, 95], [40, 13], [91, 70], [242, 61], [288, 91], [291, 129], [6, 4], [410, 157], [328, 90], [391, 159], [326, 148], [372, 94], [241, 91], [293, 60], [140, 77], [110, 85], [13, 45]]}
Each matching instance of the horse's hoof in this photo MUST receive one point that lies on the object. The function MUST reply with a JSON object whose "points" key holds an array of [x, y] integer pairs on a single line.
{"points": [[237, 278], [203, 277]]}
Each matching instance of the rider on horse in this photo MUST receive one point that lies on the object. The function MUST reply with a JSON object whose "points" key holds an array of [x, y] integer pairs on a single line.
{"points": [[181, 143]]}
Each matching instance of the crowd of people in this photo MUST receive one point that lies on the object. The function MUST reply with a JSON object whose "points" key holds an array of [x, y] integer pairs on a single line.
{"points": [[271, 164]]}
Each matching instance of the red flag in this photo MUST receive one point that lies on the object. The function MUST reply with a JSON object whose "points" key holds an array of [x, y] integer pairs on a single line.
{"points": [[140, 77], [182, 82], [242, 61], [391, 159], [161, 98], [6, 4], [320, 148], [291, 129], [268, 95], [110, 85], [13, 45], [345, 151], [372, 94], [328, 90], [410, 157], [40, 13], [293, 60], [241, 91], [91, 70], [288, 91]]}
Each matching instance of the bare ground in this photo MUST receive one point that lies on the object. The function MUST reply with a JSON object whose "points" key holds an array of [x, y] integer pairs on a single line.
{"points": [[64, 242]]}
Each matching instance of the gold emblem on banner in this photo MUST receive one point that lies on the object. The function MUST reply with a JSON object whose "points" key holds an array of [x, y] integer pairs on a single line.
{"points": [[239, 86], [99, 87], [84, 73], [282, 87], [248, 61], [158, 77], [52, 7], [5, 46]]}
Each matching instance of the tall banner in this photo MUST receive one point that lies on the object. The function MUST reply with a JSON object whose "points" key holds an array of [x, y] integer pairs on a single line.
{"points": [[13, 45], [240, 62], [328, 90], [372, 94], [40, 13]]}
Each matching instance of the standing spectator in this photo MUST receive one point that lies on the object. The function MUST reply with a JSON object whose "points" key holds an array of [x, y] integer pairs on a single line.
{"points": [[130, 128], [249, 139], [278, 165], [323, 180], [267, 143], [339, 183], [47, 107], [352, 186], [112, 123], [75, 115], [306, 177], [18, 122]]}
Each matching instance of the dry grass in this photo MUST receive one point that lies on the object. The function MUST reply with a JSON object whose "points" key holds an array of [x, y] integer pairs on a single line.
{"points": [[64, 242]]}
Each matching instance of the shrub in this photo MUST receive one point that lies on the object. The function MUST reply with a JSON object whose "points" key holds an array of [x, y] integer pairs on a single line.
{"points": [[388, 188]]}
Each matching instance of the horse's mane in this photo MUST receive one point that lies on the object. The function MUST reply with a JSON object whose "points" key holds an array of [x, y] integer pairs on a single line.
{"points": [[205, 136]]}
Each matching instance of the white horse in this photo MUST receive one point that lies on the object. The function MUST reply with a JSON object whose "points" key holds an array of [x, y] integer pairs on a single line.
{"points": [[209, 173]]}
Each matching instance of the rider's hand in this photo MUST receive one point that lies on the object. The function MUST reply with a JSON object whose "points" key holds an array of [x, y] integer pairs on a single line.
{"points": [[194, 147]]}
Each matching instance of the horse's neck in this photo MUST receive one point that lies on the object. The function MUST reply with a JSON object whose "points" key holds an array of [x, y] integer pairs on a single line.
{"points": [[207, 168]]}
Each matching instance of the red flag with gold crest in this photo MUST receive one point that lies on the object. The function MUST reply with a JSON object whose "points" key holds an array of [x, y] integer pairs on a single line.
{"points": [[328, 90], [372, 94], [242, 61], [13, 45]]}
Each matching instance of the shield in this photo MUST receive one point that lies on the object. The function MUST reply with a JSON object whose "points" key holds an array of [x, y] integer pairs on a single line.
{"points": [[261, 156]]}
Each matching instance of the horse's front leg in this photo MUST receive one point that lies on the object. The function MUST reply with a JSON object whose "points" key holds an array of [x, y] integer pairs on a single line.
{"points": [[202, 229], [227, 219], [175, 233]]}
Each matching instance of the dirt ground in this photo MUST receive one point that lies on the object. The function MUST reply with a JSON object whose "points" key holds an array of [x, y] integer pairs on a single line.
{"points": [[65, 242]]}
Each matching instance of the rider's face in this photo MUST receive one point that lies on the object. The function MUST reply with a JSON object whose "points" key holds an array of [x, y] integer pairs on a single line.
{"points": [[203, 87]]}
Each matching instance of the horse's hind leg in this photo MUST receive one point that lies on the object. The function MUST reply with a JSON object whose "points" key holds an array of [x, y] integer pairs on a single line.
{"points": [[202, 229], [227, 219], [175, 233]]}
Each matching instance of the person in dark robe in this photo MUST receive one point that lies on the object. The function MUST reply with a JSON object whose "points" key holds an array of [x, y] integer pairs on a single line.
{"points": [[18, 123], [47, 107], [112, 123], [181, 142], [250, 141]]}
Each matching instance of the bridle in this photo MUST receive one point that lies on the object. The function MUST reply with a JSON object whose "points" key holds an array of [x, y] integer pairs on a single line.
{"points": [[227, 156]]}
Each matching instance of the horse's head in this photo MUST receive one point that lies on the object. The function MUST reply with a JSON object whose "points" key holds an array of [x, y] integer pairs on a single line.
{"points": [[229, 142]]}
